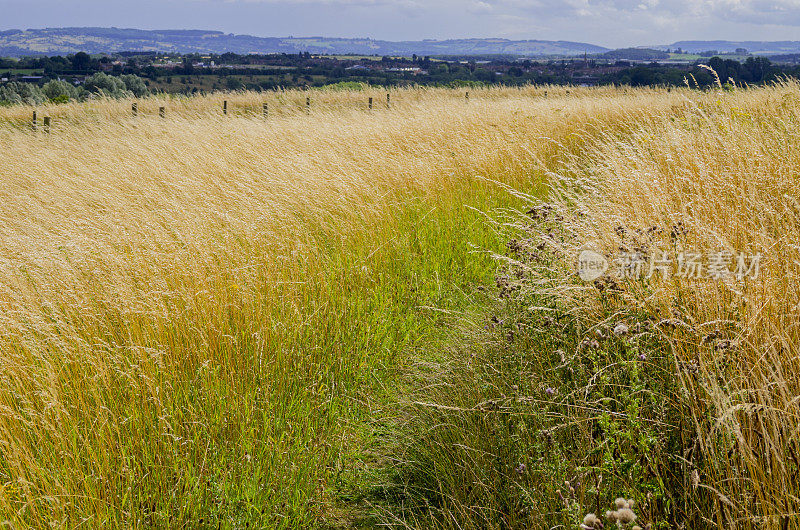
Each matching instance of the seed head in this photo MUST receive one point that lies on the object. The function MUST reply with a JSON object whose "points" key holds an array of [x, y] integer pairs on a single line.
{"points": [[621, 329], [592, 521], [626, 516]]}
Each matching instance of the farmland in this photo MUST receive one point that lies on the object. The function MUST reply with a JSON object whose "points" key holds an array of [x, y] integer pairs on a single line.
{"points": [[331, 315]]}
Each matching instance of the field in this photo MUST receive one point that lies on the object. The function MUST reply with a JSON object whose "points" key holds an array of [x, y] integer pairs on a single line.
{"points": [[333, 316]]}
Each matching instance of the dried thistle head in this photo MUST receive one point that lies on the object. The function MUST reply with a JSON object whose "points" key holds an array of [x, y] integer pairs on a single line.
{"points": [[626, 516], [592, 521]]}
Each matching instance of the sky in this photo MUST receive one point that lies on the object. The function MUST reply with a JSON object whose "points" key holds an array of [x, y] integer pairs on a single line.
{"points": [[611, 23]]}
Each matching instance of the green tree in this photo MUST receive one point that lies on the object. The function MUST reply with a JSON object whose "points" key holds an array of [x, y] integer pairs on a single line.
{"points": [[135, 85], [81, 61], [60, 90], [16, 93], [106, 85]]}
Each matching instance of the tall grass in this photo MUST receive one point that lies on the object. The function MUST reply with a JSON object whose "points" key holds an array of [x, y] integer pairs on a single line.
{"points": [[681, 393], [200, 313], [726, 173]]}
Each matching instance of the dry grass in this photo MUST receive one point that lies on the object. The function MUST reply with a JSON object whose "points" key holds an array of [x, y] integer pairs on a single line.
{"points": [[728, 169], [679, 393], [194, 307]]}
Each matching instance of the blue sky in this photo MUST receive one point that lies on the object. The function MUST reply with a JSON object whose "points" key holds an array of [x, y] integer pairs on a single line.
{"points": [[613, 23]]}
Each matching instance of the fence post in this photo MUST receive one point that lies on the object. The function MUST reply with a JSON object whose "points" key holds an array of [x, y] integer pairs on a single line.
{"points": [[135, 109], [308, 105], [225, 107], [388, 101], [33, 122], [162, 111], [370, 103], [467, 96], [47, 124], [266, 110]]}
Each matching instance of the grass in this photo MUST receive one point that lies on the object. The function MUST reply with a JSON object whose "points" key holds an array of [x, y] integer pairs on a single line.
{"points": [[676, 392], [194, 308], [215, 320]]}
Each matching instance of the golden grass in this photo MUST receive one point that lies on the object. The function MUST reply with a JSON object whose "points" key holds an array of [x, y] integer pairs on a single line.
{"points": [[728, 170], [193, 307]]}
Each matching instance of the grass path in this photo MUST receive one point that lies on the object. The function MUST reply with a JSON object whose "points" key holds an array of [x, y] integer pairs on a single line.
{"points": [[202, 315]]}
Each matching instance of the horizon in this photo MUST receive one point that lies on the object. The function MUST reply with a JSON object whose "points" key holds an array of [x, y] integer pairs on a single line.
{"points": [[611, 24]]}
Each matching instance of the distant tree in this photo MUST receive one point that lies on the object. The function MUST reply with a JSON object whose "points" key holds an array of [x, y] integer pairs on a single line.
{"points": [[135, 85], [25, 93], [60, 91], [81, 61], [106, 85]]}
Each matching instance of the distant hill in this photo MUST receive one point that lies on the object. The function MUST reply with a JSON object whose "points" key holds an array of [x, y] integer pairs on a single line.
{"points": [[636, 54], [722, 46], [61, 41]]}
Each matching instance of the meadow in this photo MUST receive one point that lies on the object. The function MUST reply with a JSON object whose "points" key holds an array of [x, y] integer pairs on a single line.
{"points": [[335, 316]]}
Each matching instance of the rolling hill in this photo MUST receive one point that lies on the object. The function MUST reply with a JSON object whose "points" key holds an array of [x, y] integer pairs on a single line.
{"points": [[60, 41], [723, 46]]}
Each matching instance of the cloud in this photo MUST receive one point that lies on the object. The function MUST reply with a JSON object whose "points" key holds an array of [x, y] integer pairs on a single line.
{"points": [[782, 12], [613, 23], [479, 7]]}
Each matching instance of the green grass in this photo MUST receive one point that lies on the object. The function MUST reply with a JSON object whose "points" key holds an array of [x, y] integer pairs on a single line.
{"points": [[226, 445], [536, 415]]}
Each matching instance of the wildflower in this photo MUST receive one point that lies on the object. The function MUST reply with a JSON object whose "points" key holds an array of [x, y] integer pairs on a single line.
{"points": [[626, 516], [520, 468], [695, 479], [590, 343], [621, 329], [642, 357], [550, 391], [591, 521]]}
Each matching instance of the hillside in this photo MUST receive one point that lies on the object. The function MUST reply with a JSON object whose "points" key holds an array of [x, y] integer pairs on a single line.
{"points": [[722, 46], [60, 41]]}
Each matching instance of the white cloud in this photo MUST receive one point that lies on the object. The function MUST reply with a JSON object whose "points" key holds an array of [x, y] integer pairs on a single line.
{"points": [[613, 23]]}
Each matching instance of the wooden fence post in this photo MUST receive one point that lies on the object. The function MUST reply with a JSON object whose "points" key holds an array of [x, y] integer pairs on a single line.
{"points": [[467, 96], [370, 103], [225, 107], [135, 109], [47, 124], [33, 122], [266, 110], [308, 105], [388, 101], [162, 111]]}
